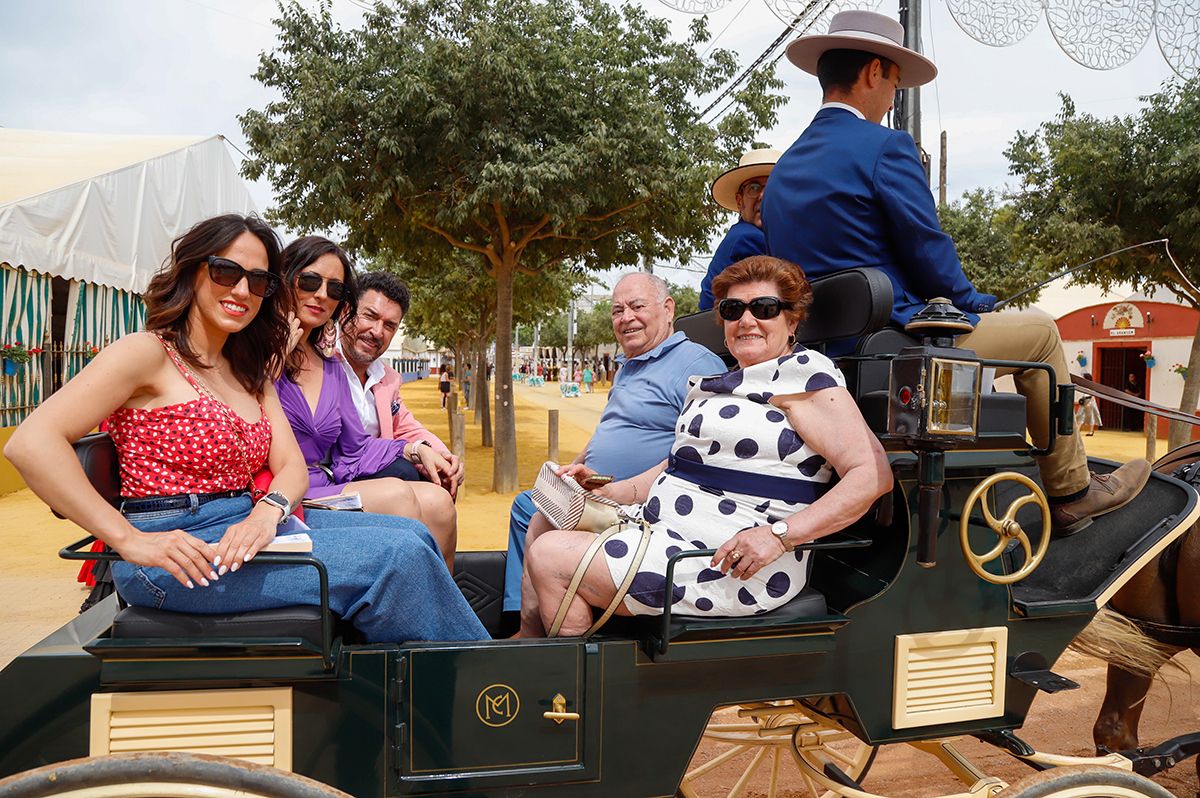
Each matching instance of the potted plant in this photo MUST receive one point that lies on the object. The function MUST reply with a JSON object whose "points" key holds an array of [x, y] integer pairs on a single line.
{"points": [[15, 356], [1149, 358], [1180, 369]]}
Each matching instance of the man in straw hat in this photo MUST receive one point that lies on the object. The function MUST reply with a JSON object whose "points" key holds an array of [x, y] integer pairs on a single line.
{"points": [[850, 192], [739, 189]]}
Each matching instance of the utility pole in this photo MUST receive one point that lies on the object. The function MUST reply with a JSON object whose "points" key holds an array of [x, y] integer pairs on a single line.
{"points": [[942, 174], [908, 101]]}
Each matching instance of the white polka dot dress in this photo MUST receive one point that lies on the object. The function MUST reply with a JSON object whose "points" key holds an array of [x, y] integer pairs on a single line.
{"points": [[732, 451]]}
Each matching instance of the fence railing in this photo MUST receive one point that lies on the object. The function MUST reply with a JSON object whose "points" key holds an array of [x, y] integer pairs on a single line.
{"points": [[23, 386]]}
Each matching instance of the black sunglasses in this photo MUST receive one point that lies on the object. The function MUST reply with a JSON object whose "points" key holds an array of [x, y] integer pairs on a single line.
{"points": [[310, 282], [761, 307], [223, 271]]}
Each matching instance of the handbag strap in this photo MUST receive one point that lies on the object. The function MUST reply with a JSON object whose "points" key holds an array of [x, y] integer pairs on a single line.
{"points": [[581, 569], [623, 588]]}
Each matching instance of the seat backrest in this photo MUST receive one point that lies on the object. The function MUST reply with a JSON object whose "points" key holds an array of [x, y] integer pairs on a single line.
{"points": [[98, 456], [847, 304]]}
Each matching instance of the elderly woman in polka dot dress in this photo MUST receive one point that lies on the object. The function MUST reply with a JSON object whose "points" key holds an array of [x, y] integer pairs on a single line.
{"points": [[750, 474]]}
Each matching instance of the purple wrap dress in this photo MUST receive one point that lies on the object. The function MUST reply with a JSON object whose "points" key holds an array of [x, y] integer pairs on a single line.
{"points": [[333, 433]]}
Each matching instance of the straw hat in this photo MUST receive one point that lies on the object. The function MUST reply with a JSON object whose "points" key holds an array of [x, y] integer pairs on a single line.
{"points": [[869, 32], [755, 163]]}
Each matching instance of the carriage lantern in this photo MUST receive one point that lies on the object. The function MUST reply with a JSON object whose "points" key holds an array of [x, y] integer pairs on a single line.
{"points": [[933, 405], [933, 396]]}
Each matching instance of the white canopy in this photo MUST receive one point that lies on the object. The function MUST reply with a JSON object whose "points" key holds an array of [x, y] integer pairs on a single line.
{"points": [[104, 209]]}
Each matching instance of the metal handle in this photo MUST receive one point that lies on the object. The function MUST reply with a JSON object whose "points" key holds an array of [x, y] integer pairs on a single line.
{"points": [[558, 710]]}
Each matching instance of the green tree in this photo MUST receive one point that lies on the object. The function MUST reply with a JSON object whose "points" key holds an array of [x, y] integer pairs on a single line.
{"points": [[687, 300], [985, 233], [530, 133], [1090, 186]]}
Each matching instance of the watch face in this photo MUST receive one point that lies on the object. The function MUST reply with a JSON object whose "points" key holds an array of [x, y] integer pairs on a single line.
{"points": [[779, 527]]}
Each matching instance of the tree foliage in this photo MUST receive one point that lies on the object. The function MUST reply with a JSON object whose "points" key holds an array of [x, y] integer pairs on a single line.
{"points": [[1090, 186], [529, 133], [687, 299], [984, 231]]}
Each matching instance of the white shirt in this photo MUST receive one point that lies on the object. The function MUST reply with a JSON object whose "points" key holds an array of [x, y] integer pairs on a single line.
{"points": [[849, 108], [364, 400]]}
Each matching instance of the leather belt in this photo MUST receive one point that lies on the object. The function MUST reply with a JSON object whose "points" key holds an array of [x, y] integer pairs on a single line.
{"points": [[183, 501]]}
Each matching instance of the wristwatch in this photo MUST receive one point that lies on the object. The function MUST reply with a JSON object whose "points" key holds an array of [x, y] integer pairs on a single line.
{"points": [[278, 499], [780, 530], [413, 457]]}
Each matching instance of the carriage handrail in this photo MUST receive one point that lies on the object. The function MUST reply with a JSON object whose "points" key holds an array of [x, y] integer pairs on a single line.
{"points": [[72, 552], [669, 588]]}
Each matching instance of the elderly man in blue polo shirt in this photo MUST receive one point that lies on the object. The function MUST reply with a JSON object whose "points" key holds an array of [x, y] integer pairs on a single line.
{"points": [[638, 424]]}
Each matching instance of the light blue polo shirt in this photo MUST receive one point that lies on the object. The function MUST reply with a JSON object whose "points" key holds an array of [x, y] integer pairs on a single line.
{"points": [[637, 427]]}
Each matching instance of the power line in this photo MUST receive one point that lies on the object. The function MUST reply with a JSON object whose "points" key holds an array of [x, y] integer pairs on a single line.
{"points": [[780, 39], [712, 43]]}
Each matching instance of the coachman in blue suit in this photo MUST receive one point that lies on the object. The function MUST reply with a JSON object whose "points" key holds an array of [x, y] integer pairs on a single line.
{"points": [[740, 189], [850, 192]]}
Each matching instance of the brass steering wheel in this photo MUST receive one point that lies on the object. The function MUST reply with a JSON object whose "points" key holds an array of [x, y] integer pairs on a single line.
{"points": [[1007, 528]]}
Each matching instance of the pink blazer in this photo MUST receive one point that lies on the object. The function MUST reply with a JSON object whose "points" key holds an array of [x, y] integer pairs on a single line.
{"points": [[389, 405]]}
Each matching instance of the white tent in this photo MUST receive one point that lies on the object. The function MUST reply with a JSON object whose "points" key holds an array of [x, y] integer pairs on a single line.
{"points": [[103, 209], [99, 211]]}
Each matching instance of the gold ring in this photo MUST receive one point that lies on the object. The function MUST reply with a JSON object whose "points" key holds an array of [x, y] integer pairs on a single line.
{"points": [[735, 555]]}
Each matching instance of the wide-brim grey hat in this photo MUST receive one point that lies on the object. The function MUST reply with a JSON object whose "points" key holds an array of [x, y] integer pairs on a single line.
{"points": [[869, 32], [755, 163]]}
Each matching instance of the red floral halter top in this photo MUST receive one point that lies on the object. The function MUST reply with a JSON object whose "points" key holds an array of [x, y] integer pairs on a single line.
{"points": [[201, 446]]}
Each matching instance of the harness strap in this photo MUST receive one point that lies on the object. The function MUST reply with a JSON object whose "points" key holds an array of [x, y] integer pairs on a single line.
{"points": [[1170, 633]]}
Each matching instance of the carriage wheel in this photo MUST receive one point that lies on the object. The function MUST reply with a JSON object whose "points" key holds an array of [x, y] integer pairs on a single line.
{"points": [[162, 775], [1087, 781], [769, 737]]}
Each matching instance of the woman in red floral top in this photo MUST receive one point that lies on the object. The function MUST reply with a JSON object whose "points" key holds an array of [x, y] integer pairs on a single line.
{"points": [[194, 416]]}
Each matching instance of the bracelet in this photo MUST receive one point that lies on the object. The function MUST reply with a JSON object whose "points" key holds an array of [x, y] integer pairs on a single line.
{"points": [[635, 491], [413, 457]]}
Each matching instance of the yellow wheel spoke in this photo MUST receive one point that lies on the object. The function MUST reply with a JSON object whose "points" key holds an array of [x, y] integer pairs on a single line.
{"points": [[740, 786], [774, 783], [714, 763]]}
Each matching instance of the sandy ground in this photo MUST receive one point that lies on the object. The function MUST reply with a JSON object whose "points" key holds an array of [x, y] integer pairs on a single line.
{"points": [[38, 593]]}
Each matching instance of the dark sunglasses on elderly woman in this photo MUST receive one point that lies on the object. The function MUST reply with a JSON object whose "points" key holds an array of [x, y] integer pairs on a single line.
{"points": [[761, 307], [223, 271], [310, 283]]}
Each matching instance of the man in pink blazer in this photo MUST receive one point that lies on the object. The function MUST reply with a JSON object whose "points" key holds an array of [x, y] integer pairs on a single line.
{"points": [[383, 299]]}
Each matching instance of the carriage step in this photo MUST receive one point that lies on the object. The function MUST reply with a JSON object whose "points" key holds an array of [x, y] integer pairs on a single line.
{"points": [[1045, 680]]}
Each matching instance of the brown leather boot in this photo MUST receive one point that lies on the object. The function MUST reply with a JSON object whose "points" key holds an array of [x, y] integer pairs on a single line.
{"points": [[1106, 492]]}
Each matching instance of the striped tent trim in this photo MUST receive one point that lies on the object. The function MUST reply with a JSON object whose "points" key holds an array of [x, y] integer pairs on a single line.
{"points": [[24, 318], [97, 315]]}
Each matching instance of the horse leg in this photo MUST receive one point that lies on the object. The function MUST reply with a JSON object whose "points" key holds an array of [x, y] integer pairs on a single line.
{"points": [[1124, 697]]}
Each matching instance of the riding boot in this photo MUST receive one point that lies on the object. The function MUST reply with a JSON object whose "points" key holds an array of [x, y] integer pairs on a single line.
{"points": [[1105, 493]]}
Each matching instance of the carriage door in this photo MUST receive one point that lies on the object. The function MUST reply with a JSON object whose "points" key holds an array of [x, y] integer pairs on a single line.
{"points": [[497, 714]]}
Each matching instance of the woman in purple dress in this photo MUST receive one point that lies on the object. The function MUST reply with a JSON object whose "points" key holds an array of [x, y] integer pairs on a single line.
{"points": [[342, 458]]}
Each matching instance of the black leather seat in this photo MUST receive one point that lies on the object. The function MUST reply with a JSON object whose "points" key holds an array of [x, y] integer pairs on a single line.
{"points": [[856, 304]]}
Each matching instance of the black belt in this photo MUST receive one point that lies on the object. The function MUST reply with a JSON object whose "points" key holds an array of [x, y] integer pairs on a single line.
{"points": [[183, 501]]}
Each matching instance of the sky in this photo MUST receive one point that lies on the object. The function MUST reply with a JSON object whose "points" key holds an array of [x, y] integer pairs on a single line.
{"points": [[184, 67]]}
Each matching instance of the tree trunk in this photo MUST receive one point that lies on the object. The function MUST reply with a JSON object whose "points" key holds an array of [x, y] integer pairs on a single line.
{"points": [[483, 410], [504, 474], [1181, 432]]}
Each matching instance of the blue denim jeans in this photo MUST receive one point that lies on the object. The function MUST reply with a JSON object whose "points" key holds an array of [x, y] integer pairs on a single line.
{"points": [[386, 575], [518, 524]]}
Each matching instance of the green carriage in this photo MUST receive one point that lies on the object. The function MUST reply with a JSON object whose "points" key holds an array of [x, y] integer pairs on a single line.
{"points": [[939, 614]]}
